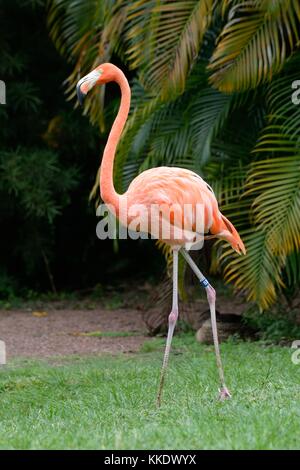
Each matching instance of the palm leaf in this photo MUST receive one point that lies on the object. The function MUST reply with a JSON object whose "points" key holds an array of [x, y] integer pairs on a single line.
{"points": [[228, 184], [292, 270], [87, 34], [165, 39], [208, 112], [254, 43], [281, 108], [257, 273], [276, 184]]}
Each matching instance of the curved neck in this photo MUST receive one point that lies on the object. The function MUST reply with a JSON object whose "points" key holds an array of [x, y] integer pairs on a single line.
{"points": [[108, 193]]}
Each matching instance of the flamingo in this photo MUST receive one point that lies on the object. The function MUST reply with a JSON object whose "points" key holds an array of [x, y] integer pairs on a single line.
{"points": [[166, 187]]}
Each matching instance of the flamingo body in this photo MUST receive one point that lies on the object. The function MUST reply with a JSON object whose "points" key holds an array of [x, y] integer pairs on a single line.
{"points": [[176, 188]]}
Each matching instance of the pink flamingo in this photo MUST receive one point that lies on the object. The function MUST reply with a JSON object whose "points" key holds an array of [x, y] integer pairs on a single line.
{"points": [[167, 187]]}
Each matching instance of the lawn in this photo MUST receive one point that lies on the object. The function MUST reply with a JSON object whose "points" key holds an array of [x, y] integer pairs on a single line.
{"points": [[108, 402]]}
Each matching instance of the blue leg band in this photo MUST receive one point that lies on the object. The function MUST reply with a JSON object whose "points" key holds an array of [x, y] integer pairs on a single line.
{"points": [[204, 282]]}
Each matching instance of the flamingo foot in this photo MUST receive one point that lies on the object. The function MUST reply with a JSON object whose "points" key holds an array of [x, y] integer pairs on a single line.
{"points": [[224, 394]]}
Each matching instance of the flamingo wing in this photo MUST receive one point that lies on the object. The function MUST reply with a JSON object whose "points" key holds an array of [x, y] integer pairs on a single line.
{"points": [[179, 193], [185, 200]]}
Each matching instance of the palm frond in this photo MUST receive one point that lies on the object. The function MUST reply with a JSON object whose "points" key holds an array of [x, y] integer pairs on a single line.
{"points": [[258, 273], [255, 43], [282, 110], [228, 184], [208, 112], [276, 185], [292, 270], [87, 34], [165, 39]]}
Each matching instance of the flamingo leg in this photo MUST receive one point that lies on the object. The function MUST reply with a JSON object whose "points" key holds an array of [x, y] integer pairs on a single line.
{"points": [[172, 322], [211, 297]]}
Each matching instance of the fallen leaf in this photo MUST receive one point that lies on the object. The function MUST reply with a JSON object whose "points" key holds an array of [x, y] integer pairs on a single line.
{"points": [[40, 314]]}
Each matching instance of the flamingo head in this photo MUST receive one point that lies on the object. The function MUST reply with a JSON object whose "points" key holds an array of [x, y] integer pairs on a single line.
{"points": [[230, 234], [102, 74], [238, 246]]}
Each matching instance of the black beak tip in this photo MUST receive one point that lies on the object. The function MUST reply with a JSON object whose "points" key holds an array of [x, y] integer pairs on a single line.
{"points": [[80, 95]]}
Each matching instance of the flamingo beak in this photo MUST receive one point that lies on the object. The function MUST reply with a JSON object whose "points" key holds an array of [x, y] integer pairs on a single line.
{"points": [[242, 249], [80, 94], [86, 83]]}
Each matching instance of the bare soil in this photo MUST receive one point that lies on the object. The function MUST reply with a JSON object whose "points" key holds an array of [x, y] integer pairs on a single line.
{"points": [[62, 332], [59, 330]]}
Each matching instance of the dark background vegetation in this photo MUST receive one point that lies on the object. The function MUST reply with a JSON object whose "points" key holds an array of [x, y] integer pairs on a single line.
{"points": [[49, 156]]}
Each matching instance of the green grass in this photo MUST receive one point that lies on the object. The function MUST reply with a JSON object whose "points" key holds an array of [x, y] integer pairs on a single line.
{"points": [[109, 402], [111, 334]]}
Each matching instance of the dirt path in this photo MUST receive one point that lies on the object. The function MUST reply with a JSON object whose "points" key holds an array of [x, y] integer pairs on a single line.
{"points": [[62, 332], [60, 328]]}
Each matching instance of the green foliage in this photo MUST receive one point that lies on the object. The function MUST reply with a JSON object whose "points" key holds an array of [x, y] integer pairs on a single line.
{"points": [[45, 159], [278, 326], [37, 185], [291, 274], [91, 29], [23, 97], [169, 35], [38, 190], [254, 43], [7, 286]]}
